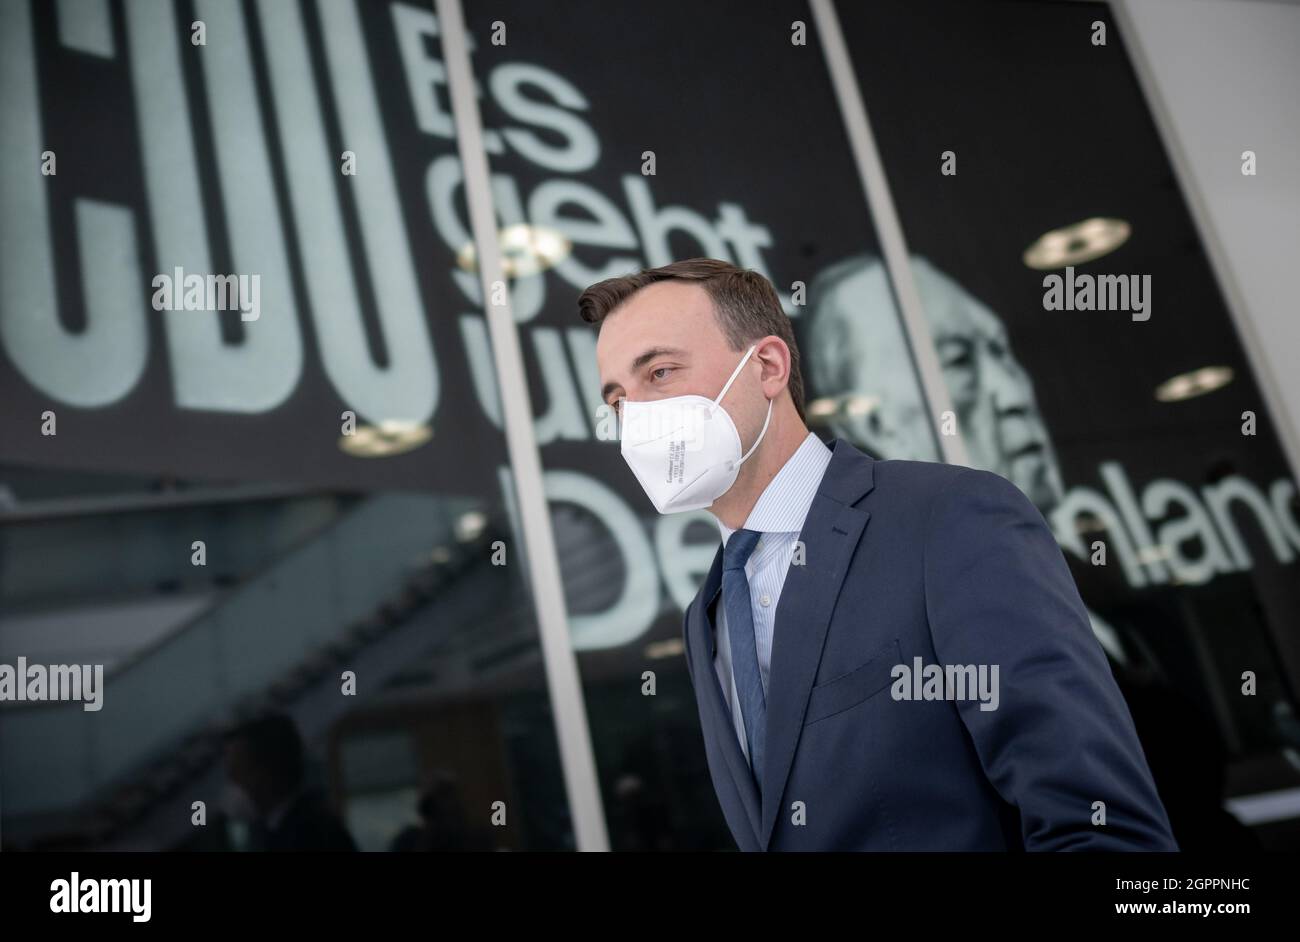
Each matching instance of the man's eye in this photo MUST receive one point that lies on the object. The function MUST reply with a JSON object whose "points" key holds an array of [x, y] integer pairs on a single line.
{"points": [[662, 369]]}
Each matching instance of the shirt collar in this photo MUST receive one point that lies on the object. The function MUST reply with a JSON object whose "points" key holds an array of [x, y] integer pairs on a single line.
{"points": [[783, 505]]}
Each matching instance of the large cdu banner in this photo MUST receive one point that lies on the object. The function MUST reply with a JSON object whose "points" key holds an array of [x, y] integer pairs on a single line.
{"points": [[229, 226], [229, 243], [234, 240]]}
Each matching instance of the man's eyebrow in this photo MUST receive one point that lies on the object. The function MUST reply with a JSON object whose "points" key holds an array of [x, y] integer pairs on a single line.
{"points": [[653, 352], [641, 361]]}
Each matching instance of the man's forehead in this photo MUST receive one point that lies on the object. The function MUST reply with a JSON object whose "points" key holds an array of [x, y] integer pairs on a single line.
{"points": [[667, 304], [644, 322]]}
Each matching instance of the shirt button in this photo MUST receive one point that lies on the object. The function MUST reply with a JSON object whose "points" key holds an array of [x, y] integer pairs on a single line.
{"points": [[765, 601]]}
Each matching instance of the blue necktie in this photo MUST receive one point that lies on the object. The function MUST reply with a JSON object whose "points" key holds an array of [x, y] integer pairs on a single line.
{"points": [[744, 648]]}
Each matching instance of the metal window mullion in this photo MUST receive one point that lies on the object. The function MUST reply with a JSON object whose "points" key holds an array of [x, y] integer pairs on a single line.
{"points": [[898, 261], [577, 758]]}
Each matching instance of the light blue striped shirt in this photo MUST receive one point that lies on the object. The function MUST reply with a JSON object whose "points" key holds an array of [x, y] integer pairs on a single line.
{"points": [[778, 514]]}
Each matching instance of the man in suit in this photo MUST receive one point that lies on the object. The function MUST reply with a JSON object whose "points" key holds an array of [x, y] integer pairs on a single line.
{"points": [[886, 655]]}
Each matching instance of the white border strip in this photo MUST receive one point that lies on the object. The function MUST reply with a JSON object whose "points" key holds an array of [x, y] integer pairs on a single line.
{"points": [[881, 204], [576, 757]]}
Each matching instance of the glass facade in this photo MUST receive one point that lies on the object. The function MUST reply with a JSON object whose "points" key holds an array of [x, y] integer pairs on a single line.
{"points": [[294, 513], [1139, 430]]}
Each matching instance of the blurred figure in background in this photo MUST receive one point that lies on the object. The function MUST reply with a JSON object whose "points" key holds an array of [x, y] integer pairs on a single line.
{"points": [[443, 825], [264, 764]]}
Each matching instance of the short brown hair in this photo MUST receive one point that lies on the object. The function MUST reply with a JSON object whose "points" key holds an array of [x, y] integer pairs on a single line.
{"points": [[747, 305]]}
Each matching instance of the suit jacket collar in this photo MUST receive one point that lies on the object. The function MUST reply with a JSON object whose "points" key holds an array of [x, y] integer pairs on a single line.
{"points": [[830, 534]]}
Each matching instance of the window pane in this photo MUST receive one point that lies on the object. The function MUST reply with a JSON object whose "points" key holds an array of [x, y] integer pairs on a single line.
{"points": [[1125, 413], [288, 496]]}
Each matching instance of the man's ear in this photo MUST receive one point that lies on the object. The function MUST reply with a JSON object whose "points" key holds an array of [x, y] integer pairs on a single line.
{"points": [[773, 353]]}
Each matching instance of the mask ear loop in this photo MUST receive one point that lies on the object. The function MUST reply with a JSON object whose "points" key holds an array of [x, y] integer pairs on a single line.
{"points": [[745, 457], [768, 418], [734, 374]]}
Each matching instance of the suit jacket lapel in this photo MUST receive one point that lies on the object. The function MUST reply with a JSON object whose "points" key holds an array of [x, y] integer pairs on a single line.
{"points": [[830, 535], [716, 719]]}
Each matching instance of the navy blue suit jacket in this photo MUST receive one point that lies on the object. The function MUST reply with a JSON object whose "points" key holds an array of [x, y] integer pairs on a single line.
{"points": [[907, 559]]}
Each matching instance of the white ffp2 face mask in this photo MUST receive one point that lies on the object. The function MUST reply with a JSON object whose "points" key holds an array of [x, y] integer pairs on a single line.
{"points": [[685, 450]]}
